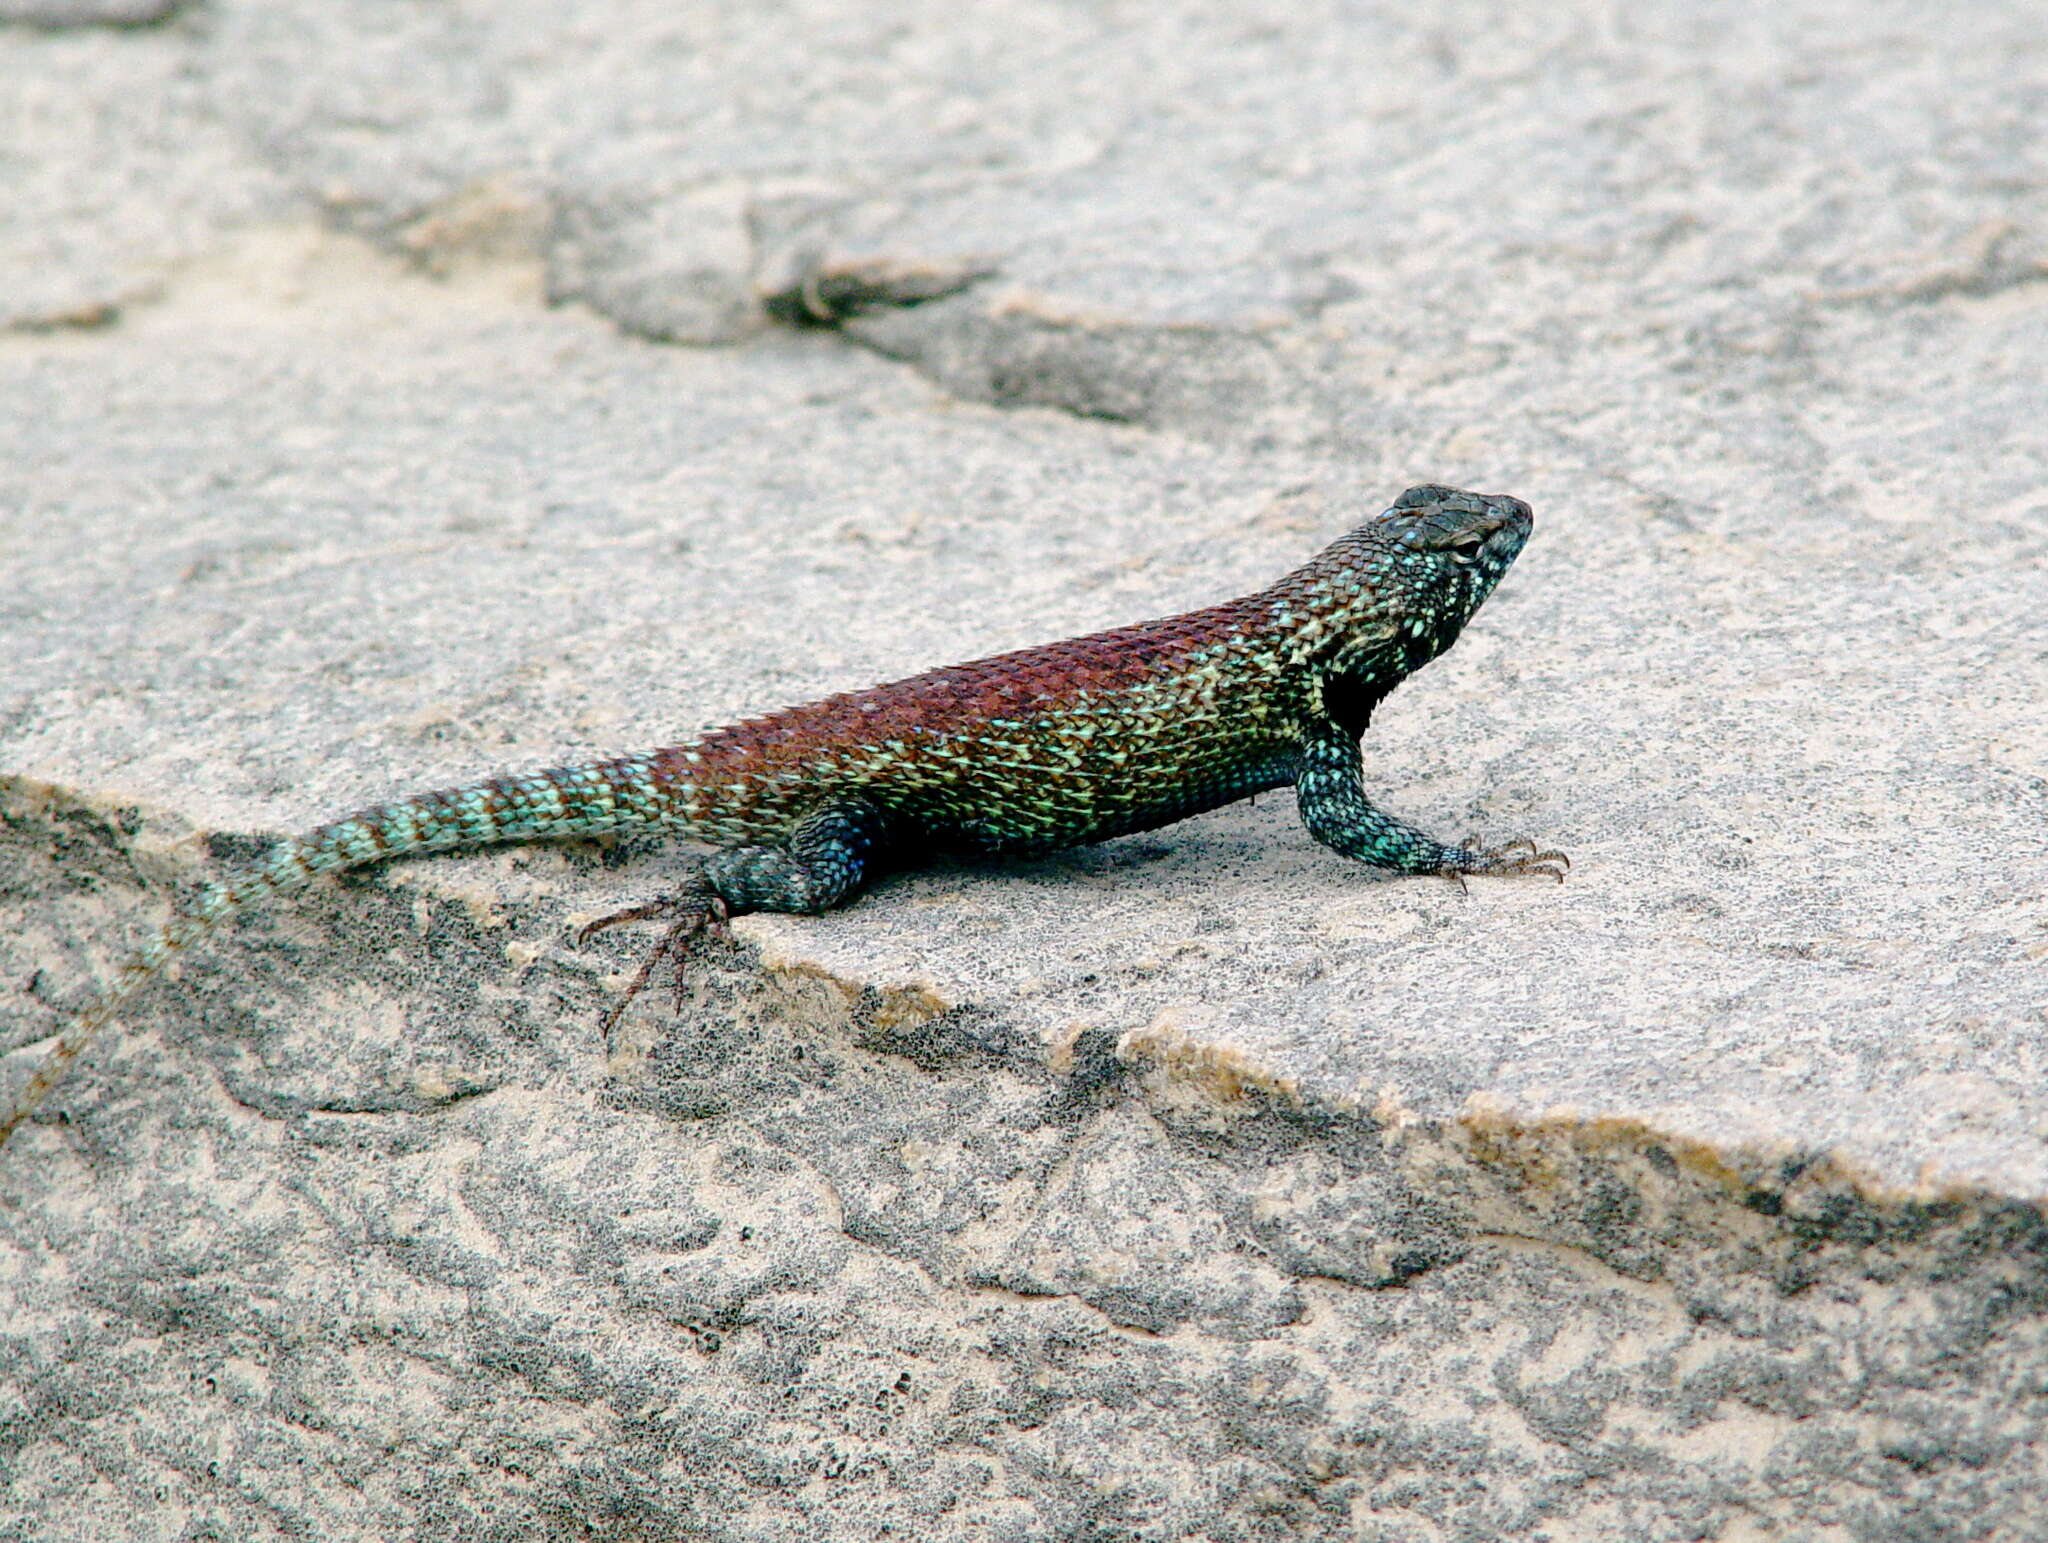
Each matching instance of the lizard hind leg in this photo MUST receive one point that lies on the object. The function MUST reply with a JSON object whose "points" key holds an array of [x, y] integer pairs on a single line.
{"points": [[689, 912], [827, 858]]}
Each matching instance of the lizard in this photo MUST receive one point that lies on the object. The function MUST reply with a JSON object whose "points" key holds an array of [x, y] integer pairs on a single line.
{"points": [[1017, 754]]}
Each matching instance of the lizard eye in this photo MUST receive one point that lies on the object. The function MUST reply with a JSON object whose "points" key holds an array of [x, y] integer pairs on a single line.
{"points": [[1466, 543]]}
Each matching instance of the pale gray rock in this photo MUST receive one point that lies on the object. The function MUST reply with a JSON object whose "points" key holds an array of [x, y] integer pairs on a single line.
{"points": [[675, 264], [1198, 1185]]}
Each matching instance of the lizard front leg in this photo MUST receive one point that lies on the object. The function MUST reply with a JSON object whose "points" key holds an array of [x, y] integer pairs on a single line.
{"points": [[1337, 813], [829, 855]]}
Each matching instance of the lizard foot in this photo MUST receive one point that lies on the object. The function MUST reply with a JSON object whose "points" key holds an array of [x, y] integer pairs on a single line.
{"points": [[688, 912], [1521, 859]]}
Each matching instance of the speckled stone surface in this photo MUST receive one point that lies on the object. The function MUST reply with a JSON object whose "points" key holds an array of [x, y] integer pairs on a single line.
{"points": [[389, 406]]}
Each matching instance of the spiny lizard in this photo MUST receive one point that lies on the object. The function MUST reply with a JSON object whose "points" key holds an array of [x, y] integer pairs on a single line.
{"points": [[1024, 752]]}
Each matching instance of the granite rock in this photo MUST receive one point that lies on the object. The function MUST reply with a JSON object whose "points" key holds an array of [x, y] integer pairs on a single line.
{"points": [[387, 406]]}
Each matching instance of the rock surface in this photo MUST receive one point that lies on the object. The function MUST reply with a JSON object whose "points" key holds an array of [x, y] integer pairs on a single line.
{"points": [[391, 405]]}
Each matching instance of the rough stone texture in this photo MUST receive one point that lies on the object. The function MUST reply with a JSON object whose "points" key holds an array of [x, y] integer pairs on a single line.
{"points": [[1194, 1186]]}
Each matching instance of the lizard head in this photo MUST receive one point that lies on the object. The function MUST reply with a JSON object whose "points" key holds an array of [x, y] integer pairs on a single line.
{"points": [[1394, 593]]}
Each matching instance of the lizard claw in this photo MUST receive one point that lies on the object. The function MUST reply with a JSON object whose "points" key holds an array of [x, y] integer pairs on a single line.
{"points": [[690, 912], [1517, 859]]}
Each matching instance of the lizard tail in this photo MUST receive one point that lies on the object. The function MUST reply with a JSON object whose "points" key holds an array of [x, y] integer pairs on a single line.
{"points": [[632, 793], [208, 912]]}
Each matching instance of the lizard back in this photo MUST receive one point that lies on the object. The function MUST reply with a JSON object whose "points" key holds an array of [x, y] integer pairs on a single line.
{"points": [[1044, 747]]}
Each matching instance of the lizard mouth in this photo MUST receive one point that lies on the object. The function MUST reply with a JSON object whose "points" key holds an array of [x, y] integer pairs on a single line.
{"points": [[1517, 521], [1511, 518]]}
